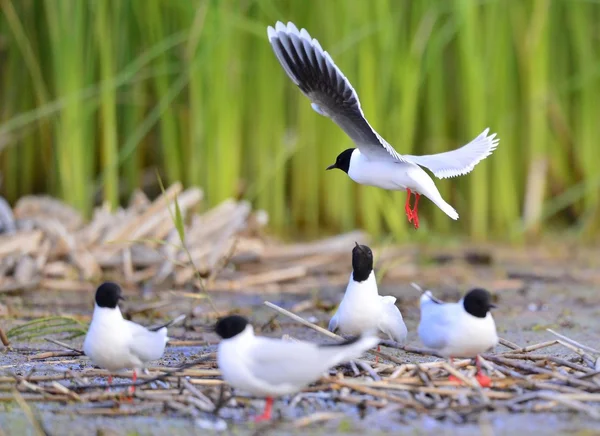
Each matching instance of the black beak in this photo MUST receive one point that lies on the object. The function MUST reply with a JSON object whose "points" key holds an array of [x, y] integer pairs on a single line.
{"points": [[492, 306], [121, 297], [357, 244], [331, 167]]}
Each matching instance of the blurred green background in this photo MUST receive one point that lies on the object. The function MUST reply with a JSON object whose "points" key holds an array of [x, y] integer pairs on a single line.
{"points": [[96, 95]]}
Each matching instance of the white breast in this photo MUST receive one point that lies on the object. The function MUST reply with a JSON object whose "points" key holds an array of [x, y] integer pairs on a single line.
{"points": [[385, 174], [471, 336], [233, 359], [110, 351], [108, 341], [360, 308]]}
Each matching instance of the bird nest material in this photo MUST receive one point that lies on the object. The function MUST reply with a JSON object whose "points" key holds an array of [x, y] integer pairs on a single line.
{"points": [[52, 247], [523, 380]]}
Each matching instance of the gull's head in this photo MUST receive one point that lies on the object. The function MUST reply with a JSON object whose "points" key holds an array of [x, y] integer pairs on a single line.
{"points": [[231, 326], [478, 302], [362, 262], [108, 295], [343, 161]]}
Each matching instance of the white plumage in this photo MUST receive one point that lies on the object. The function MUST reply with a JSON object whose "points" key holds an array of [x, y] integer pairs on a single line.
{"points": [[450, 330], [363, 309], [115, 343], [374, 162], [272, 367]]}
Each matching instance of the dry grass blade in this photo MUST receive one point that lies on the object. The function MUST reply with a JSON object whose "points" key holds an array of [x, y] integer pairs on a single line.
{"points": [[68, 347], [379, 394], [303, 321], [38, 427], [572, 404], [317, 417], [4, 338], [573, 342]]}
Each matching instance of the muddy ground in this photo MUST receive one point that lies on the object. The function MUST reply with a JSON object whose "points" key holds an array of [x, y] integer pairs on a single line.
{"points": [[526, 307]]}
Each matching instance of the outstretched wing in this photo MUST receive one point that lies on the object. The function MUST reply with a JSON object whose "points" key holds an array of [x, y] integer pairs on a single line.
{"points": [[331, 94], [460, 161]]}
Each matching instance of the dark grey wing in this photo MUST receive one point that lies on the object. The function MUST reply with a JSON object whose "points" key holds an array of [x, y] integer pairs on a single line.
{"points": [[331, 94]]}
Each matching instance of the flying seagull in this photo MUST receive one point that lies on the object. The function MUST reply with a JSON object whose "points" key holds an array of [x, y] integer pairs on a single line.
{"points": [[374, 162]]}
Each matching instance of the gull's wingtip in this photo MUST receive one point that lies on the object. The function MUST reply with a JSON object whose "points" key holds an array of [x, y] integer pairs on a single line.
{"points": [[491, 137], [304, 34], [489, 140], [289, 28], [292, 28]]}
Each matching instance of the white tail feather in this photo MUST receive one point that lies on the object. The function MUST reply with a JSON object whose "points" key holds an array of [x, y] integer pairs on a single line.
{"points": [[448, 210]]}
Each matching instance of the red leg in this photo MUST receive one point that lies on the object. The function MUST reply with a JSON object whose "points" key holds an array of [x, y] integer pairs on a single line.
{"points": [[415, 211], [484, 380], [266, 415], [377, 357], [407, 209], [133, 380], [109, 382]]}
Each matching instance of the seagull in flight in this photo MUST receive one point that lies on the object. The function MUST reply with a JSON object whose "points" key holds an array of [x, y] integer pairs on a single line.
{"points": [[374, 161]]}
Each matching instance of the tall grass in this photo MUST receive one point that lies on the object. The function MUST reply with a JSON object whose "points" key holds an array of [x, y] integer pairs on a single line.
{"points": [[96, 94]]}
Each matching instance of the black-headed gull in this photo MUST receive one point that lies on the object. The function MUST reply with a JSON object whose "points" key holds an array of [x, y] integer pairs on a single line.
{"points": [[375, 162], [463, 329], [362, 308], [269, 367], [115, 343]]}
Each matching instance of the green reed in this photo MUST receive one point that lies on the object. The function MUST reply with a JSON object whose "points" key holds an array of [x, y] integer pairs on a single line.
{"points": [[96, 95]]}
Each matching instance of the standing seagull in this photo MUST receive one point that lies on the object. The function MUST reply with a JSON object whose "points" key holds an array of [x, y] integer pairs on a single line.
{"points": [[374, 162], [463, 329], [362, 308], [271, 367], [115, 343]]}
